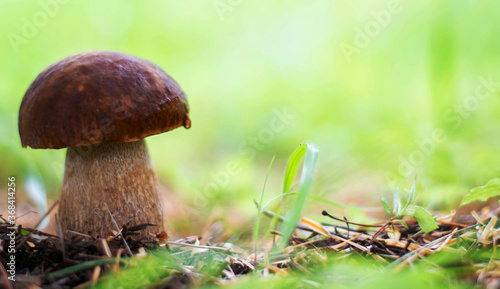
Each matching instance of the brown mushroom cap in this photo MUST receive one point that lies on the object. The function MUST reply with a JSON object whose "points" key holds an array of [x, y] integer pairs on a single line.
{"points": [[97, 97]]}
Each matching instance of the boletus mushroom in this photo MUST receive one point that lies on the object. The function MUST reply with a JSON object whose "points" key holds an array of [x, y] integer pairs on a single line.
{"points": [[101, 105]]}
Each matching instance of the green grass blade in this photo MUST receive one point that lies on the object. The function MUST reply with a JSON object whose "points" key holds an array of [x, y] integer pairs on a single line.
{"points": [[274, 199], [84, 266], [293, 216], [293, 165], [260, 211], [274, 220]]}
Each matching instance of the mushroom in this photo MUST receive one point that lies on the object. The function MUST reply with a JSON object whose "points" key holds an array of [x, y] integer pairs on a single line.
{"points": [[101, 105]]}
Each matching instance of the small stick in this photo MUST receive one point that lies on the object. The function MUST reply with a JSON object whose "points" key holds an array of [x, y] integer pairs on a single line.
{"points": [[46, 214], [200, 246], [119, 230], [81, 234], [8, 284], [325, 213], [61, 237], [106, 249], [281, 219], [25, 214]]}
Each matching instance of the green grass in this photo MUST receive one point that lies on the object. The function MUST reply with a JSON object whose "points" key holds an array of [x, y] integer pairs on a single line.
{"points": [[292, 217], [324, 271], [293, 214]]}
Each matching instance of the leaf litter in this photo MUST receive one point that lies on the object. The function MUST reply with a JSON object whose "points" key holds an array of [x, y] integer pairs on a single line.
{"points": [[45, 261]]}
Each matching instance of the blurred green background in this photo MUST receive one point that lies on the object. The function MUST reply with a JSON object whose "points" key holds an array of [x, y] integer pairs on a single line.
{"points": [[387, 90]]}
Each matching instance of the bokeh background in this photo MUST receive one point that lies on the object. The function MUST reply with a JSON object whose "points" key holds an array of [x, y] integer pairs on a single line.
{"points": [[387, 90]]}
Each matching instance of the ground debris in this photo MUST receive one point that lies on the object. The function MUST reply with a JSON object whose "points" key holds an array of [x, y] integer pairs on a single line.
{"points": [[48, 261], [39, 256]]}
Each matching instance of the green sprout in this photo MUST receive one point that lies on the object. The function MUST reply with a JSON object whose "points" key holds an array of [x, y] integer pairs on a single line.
{"points": [[425, 220]]}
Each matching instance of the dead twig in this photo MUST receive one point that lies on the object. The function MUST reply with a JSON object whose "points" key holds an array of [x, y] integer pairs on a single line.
{"points": [[119, 231]]}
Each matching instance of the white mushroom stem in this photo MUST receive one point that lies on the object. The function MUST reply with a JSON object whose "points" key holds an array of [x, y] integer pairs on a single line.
{"points": [[120, 175]]}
